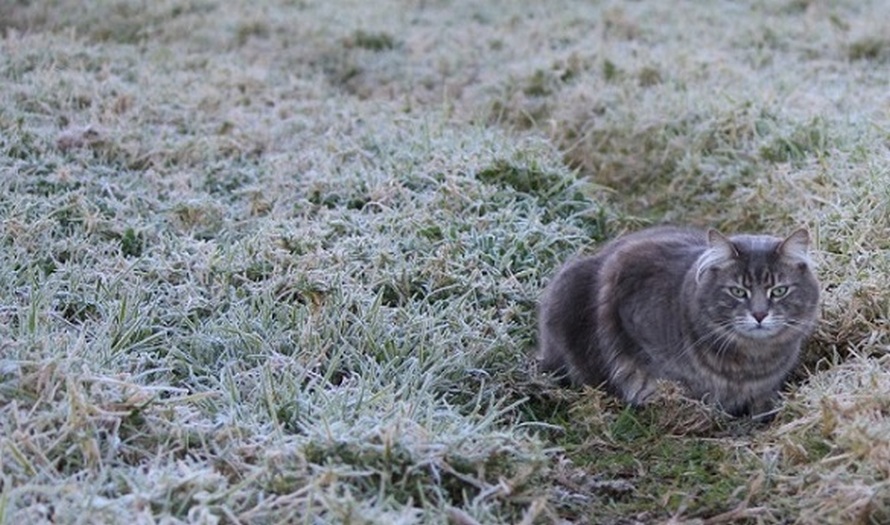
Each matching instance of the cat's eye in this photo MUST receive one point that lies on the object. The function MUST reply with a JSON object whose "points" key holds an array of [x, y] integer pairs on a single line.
{"points": [[738, 292], [777, 292]]}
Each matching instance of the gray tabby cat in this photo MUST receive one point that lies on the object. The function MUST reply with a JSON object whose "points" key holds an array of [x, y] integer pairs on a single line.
{"points": [[724, 317]]}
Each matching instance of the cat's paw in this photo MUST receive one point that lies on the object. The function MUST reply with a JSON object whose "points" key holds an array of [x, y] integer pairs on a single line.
{"points": [[762, 410], [639, 388]]}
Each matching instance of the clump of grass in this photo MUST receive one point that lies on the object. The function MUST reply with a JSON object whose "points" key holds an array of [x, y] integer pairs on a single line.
{"points": [[372, 41], [537, 85], [649, 76], [525, 101], [834, 437], [361, 63], [806, 140], [132, 243], [869, 48], [610, 70], [646, 462], [704, 146], [251, 29]]}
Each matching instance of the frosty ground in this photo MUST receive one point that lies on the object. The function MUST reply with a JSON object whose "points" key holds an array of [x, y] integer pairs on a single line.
{"points": [[278, 261]]}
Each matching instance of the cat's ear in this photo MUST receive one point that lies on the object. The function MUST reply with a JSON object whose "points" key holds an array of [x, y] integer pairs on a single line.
{"points": [[720, 250], [796, 245], [722, 247]]}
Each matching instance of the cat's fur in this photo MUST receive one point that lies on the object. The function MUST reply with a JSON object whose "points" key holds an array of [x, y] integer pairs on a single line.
{"points": [[659, 304]]}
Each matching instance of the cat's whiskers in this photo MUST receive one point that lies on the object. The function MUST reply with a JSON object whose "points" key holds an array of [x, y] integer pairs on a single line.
{"points": [[726, 341], [721, 334], [800, 327]]}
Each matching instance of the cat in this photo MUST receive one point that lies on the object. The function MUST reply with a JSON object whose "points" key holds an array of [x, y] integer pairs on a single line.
{"points": [[724, 317]]}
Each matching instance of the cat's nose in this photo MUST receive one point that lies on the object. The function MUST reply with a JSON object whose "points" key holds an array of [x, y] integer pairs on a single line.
{"points": [[759, 316]]}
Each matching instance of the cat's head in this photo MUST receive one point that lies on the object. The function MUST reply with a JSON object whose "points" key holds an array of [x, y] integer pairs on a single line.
{"points": [[757, 287]]}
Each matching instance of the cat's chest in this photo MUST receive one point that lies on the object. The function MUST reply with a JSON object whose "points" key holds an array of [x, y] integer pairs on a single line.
{"points": [[735, 373]]}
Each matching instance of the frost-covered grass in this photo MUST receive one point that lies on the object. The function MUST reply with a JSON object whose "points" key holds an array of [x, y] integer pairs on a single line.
{"points": [[278, 261]]}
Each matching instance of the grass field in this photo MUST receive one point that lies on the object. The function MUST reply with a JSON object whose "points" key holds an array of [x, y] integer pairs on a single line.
{"points": [[278, 261]]}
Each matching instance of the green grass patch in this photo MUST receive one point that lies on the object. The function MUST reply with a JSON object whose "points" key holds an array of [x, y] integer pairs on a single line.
{"points": [[653, 463], [869, 48], [380, 41]]}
